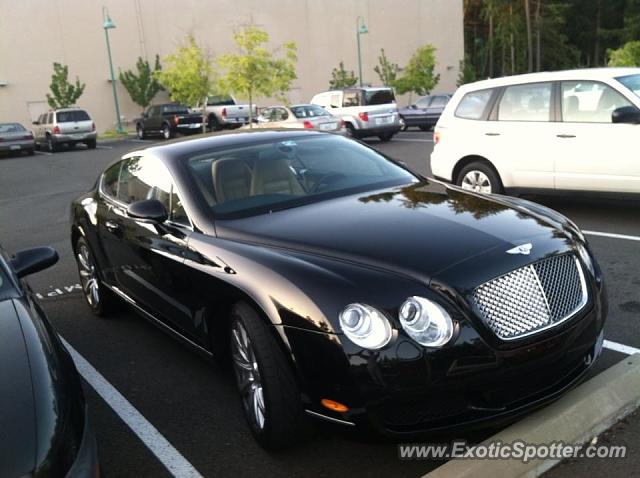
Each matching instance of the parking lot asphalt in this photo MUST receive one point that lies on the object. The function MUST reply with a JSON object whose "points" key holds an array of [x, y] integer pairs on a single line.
{"points": [[191, 402]]}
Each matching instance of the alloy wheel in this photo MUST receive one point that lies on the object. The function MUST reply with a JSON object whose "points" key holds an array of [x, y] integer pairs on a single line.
{"points": [[476, 181], [88, 276], [247, 373], [166, 132], [140, 132]]}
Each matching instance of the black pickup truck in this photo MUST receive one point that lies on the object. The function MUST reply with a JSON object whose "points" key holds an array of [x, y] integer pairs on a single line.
{"points": [[167, 120]]}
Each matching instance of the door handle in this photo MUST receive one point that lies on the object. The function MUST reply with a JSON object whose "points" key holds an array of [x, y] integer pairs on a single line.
{"points": [[112, 226], [492, 134], [565, 135]]}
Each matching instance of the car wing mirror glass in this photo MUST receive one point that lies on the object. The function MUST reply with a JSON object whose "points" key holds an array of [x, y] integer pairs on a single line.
{"points": [[30, 261], [626, 114], [149, 210]]}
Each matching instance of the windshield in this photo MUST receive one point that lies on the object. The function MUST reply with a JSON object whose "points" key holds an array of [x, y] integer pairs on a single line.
{"points": [[632, 82], [71, 116], [309, 111], [263, 177], [11, 128], [175, 109], [379, 97]]}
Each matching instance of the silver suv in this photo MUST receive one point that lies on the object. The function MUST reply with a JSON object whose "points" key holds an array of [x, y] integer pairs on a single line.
{"points": [[366, 111], [68, 126]]}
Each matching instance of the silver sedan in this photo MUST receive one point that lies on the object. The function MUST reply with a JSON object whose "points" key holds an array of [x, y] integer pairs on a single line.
{"points": [[15, 138], [303, 116]]}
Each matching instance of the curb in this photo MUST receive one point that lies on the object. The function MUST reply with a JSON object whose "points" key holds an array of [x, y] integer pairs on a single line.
{"points": [[584, 412]]}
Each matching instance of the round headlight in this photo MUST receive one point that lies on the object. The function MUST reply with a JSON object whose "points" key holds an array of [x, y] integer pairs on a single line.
{"points": [[426, 322], [365, 326]]}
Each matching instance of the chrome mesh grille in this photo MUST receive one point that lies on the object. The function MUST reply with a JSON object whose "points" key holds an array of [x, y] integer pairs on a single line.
{"points": [[533, 297]]}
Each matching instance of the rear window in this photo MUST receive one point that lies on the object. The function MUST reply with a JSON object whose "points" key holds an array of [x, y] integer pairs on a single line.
{"points": [[473, 104], [175, 109], [71, 116], [309, 111], [220, 100], [11, 128], [378, 97]]}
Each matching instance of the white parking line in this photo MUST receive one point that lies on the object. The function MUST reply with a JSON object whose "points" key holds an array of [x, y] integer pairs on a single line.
{"points": [[43, 152], [625, 349], [104, 147], [612, 235], [171, 458], [140, 140]]}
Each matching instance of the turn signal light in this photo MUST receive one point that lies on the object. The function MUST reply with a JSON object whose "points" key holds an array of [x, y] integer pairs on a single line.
{"points": [[93, 126], [223, 113], [333, 405], [307, 125], [364, 116]]}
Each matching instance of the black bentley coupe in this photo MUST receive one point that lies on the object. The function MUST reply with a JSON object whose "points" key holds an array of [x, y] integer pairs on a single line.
{"points": [[343, 286], [44, 429]]}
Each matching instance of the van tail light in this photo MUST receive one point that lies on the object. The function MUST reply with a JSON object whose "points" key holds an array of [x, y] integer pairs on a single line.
{"points": [[223, 113], [93, 126], [56, 129], [436, 137], [176, 119], [307, 125], [364, 116]]}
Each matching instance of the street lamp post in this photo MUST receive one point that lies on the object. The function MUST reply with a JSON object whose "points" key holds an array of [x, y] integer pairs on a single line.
{"points": [[108, 25], [361, 28]]}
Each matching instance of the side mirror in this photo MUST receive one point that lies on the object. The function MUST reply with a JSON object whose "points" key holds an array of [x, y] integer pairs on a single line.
{"points": [[626, 114], [33, 260], [150, 210], [35, 122], [414, 106]]}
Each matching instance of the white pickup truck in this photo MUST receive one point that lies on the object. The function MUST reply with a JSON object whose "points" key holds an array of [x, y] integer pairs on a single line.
{"points": [[223, 112]]}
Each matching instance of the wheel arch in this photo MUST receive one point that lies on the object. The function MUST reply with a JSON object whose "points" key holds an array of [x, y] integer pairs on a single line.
{"points": [[473, 158]]}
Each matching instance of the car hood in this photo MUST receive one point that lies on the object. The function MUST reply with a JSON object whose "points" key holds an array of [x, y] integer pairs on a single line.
{"points": [[17, 412], [419, 230]]}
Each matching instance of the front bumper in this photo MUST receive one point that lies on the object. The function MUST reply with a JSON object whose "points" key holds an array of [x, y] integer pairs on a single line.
{"points": [[408, 391], [16, 146], [74, 137], [86, 463]]}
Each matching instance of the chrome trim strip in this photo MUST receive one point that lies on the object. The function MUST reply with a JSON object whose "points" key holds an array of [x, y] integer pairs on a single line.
{"points": [[155, 320], [330, 419]]}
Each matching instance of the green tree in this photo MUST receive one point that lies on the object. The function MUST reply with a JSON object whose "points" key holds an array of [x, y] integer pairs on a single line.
{"points": [[386, 70], [256, 71], [144, 85], [628, 55], [189, 75], [466, 72], [341, 78], [419, 75], [63, 94]]}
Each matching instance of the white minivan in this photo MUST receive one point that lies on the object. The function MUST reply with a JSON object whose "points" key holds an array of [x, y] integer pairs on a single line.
{"points": [[573, 130]]}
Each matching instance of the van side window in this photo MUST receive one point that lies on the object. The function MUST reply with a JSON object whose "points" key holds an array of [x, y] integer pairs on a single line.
{"points": [[590, 102], [473, 104], [530, 102], [351, 98]]}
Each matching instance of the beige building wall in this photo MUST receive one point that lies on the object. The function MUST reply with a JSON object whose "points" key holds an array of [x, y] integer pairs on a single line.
{"points": [[35, 33]]}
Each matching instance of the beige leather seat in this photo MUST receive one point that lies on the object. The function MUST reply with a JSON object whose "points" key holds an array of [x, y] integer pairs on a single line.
{"points": [[272, 175], [231, 179]]}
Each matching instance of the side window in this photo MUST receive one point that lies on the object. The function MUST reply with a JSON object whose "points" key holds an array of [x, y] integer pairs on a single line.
{"points": [[280, 114], [351, 98], [49, 118], [473, 104], [109, 181], [439, 102], [530, 102], [589, 102], [334, 100], [266, 114], [134, 184]]}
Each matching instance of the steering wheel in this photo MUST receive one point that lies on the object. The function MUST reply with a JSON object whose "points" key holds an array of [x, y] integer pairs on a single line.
{"points": [[324, 180]]}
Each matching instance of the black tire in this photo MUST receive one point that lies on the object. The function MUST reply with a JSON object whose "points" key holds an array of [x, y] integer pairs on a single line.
{"points": [[403, 124], [284, 422], [213, 124], [140, 132], [167, 132], [106, 301], [91, 144], [31, 152], [351, 131], [51, 145], [385, 137], [480, 168]]}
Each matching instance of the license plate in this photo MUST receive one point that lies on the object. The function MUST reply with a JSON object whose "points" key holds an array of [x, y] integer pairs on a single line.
{"points": [[384, 120], [328, 126], [242, 120], [195, 125], [77, 135], [14, 147]]}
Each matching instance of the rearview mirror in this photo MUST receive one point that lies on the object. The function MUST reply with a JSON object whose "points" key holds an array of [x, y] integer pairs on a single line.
{"points": [[33, 260], [150, 210], [626, 114]]}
